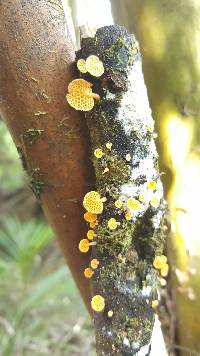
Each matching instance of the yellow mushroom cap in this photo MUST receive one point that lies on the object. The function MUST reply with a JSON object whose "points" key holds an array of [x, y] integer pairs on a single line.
{"points": [[93, 203], [84, 245], [118, 204], [91, 234], [152, 185], [112, 224], [110, 313], [88, 272], [159, 261], [128, 216], [133, 204], [154, 303], [128, 157], [80, 86], [81, 65], [94, 263], [90, 217], [109, 145], [98, 303], [80, 95], [93, 224], [98, 153], [154, 201], [94, 66], [164, 270]]}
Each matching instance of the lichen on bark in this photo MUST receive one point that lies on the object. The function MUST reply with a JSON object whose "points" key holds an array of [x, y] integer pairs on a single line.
{"points": [[125, 276]]}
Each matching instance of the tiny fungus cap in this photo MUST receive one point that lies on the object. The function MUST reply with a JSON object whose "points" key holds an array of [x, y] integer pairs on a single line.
{"points": [[93, 203], [94, 263], [90, 217], [112, 224], [91, 234], [98, 303], [81, 65], [94, 66], [133, 204], [88, 272], [84, 245]]}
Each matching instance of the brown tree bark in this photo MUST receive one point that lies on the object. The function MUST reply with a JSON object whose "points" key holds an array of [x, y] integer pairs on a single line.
{"points": [[36, 58]]}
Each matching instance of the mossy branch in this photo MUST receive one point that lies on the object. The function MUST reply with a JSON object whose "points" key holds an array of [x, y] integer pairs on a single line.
{"points": [[128, 172]]}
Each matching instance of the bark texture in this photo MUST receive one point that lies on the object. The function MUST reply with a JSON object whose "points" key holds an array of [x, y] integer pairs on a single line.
{"points": [[36, 61], [125, 278], [168, 32]]}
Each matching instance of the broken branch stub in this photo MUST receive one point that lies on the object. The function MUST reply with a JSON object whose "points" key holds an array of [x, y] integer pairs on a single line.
{"points": [[129, 232]]}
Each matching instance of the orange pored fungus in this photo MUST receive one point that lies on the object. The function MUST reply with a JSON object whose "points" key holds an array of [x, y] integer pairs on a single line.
{"points": [[93, 202], [90, 217], [94, 66], [80, 95]]}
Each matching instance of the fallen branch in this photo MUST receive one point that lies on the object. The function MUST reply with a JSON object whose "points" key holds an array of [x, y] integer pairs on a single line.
{"points": [[129, 236]]}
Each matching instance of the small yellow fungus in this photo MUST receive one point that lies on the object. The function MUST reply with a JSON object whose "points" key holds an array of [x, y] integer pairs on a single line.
{"points": [[133, 204], [154, 303], [128, 216], [112, 223], [90, 217], [98, 303], [109, 145], [93, 224], [98, 153], [84, 245], [128, 157], [88, 272], [80, 95], [164, 270], [81, 65], [110, 313], [91, 234], [154, 201], [159, 261], [94, 263], [93, 202], [118, 204], [94, 66], [141, 198], [152, 185]]}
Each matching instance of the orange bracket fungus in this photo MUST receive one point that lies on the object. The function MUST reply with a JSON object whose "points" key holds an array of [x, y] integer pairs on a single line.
{"points": [[80, 95]]}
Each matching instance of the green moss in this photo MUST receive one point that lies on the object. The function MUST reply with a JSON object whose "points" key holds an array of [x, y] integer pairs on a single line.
{"points": [[133, 327], [119, 172], [31, 136], [117, 241]]}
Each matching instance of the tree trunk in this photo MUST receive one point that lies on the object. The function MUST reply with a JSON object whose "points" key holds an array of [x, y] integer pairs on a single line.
{"points": [[168, 32], [36, 60]]}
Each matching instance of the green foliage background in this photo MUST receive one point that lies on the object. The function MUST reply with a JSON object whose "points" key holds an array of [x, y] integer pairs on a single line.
{"points": [[41, 312]]}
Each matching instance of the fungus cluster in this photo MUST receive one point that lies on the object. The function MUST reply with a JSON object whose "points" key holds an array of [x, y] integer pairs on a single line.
{"points": [[80, 95], [160, 263], [92, 65]]}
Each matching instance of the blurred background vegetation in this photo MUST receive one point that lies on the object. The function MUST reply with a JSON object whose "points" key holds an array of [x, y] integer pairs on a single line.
{"points": [[41, 311]]}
